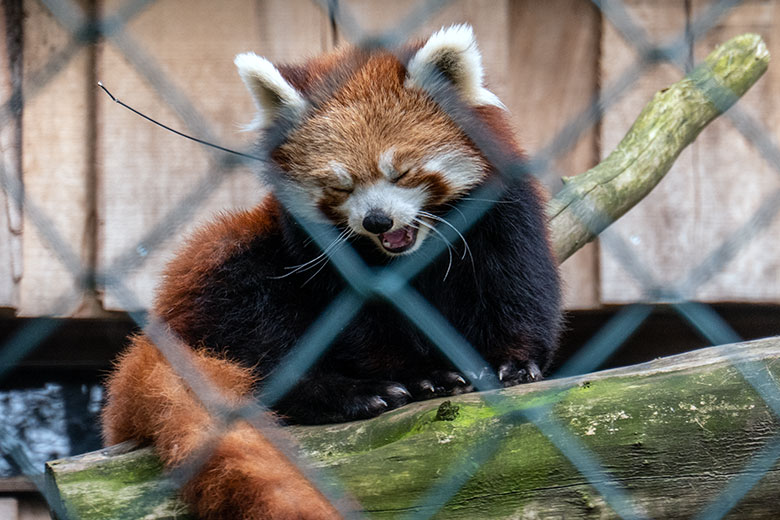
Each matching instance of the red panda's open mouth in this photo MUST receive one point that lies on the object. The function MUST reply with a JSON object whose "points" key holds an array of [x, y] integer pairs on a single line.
{"points": [[399, 240]]}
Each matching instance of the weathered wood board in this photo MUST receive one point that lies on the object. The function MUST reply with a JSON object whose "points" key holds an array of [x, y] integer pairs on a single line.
{"points": [[660, 21], [732, 178], [146, 172], [544, 98], [23, 508], [56, 152], [714, 187], [10, 161]]}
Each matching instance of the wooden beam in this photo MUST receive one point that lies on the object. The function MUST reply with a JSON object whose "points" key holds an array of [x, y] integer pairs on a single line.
{"points": [[715, 186], [666, 126]]}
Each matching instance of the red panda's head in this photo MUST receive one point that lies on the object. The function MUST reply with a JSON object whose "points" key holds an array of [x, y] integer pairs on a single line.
{"points": [[370, 149]]}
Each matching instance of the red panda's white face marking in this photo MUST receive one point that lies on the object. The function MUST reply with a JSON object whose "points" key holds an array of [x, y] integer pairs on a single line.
{"points": [[343, 180], [377, 153], [462, 171], [399, 205], [386, 166]]}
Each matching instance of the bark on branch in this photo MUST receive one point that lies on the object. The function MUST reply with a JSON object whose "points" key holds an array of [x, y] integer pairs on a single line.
{"points": [[671, 434]]}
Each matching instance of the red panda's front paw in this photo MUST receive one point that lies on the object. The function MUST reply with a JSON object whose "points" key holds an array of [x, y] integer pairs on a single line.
{"points": [[332, 398], [516, 372]]}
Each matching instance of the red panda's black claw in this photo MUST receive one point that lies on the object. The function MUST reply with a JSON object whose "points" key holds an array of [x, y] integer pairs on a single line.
{"points": [[378, 402], [534, 373], [439, 383], [484, 371], [343, 399], [514, 373], [389, 396], [399, 391], [427, 386]]}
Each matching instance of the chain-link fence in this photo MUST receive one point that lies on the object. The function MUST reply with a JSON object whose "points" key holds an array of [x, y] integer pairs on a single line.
{"points": [[392, 284]]}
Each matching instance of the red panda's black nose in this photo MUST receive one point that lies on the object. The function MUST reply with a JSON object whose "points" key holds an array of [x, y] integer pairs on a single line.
{"points": [[377, 221]]}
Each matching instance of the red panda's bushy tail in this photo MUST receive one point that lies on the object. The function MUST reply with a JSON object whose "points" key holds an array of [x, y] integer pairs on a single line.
{"points": [[246, 477]]}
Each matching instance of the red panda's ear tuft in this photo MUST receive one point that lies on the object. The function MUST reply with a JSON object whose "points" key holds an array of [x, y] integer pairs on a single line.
{"points": [[453, 52], [273, 95]]}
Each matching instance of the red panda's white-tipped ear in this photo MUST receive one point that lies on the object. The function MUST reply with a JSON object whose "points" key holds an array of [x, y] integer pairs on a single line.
{"points": [[453, 52], [271, 92]]}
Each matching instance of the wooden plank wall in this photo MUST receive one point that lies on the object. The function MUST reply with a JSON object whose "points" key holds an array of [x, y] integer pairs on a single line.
{"points": [[86, 158], [146, 172], [23, 508], [716, 184], [733, 178]]}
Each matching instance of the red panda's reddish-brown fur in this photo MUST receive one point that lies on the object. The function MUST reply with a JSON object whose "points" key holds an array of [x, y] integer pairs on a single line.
{"points": [[230, 297], [246, 477], [208, 248]]}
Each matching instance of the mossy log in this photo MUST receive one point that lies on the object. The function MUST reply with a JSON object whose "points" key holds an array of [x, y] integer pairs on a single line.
{"points": [[671, 434]]}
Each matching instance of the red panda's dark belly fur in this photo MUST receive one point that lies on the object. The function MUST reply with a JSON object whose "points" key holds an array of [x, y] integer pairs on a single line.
{"points": [[505, 302]]}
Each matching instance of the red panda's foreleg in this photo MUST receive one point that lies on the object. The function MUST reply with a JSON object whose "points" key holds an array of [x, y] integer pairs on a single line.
{"points": [[246, 477]]}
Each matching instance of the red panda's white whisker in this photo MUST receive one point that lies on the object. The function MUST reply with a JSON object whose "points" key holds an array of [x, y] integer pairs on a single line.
{"points": [[494, 201], [309, 279], [339, 242], [466, 248], [443, 238], [453, 206], [314, 261]]}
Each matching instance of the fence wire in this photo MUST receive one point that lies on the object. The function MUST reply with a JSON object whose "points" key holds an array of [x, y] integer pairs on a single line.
{"points": [[392, 284]]}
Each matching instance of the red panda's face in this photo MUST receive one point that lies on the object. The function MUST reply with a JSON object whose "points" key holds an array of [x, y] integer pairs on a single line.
{"points": [[378, 156]]}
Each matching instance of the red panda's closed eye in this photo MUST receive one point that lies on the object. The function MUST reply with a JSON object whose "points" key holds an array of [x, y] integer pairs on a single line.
{"points": [[400, 176]]}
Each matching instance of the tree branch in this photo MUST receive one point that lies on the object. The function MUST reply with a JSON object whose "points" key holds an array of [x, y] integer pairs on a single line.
{"points": [[671, 121]]}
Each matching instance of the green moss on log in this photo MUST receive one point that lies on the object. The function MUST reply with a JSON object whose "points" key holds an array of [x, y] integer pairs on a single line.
{"points": [[117, 482]]}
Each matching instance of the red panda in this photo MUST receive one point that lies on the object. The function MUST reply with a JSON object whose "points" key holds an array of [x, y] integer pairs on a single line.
{"points": [[368, 150]]}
